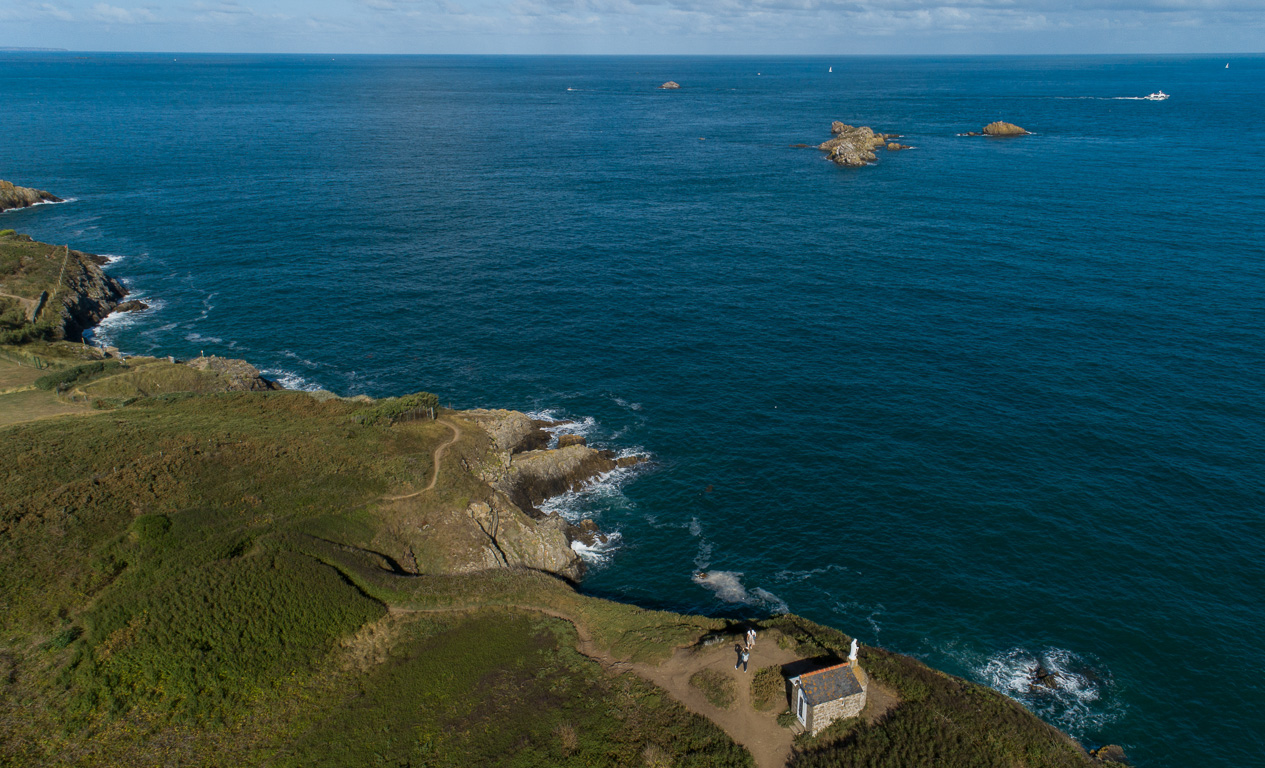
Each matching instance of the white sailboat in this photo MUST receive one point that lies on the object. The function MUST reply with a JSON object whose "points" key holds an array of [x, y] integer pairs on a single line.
{"points": [[832, 69]]}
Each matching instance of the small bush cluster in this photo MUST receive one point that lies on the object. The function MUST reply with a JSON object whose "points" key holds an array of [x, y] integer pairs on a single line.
{"points": [[768, 688], [398, 408], [80, 374]]}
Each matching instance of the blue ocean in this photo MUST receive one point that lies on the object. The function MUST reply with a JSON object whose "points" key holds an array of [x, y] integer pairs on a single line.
{"points": [[988, 402]]}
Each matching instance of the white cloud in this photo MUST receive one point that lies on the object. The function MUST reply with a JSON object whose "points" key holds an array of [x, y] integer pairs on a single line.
{"points": [[115, 15]]}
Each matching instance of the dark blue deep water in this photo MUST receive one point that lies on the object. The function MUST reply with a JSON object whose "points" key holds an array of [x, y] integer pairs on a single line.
{"points": [[986, 402]]}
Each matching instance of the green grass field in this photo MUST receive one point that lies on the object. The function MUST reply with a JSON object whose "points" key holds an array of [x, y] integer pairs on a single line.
{"points": [[170, 588]]}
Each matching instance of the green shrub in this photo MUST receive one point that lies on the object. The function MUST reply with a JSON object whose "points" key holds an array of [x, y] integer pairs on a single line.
{"points": [[718, 687], [78, 375], [7, 233], [768, 688], [151, 527], [398, 408], [43, 331], [787, 718]]}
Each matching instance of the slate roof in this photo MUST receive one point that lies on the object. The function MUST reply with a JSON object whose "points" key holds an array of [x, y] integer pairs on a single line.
{"points": [[828, 684]]}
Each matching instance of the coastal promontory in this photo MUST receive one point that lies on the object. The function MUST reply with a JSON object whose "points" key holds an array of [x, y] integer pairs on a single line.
{"points": [[200, 568], [12, 196]]}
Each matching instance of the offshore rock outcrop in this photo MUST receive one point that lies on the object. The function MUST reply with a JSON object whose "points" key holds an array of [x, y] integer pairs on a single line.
{"points": [[998, 129], [670, 85], [853, 146], [12, 196]]}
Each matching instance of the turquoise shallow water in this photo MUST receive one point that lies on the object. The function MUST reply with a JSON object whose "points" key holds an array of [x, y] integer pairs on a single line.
{"points": [[986, 402]]}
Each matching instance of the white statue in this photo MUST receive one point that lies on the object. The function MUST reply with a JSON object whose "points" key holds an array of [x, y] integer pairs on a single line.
{"points": [[852, 654]]}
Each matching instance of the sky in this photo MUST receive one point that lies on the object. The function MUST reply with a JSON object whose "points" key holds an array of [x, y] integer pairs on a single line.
{"points": [[735, 27]]}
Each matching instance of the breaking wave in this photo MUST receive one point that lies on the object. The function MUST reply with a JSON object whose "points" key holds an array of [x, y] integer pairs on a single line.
{"points": [[103, 334], [1079, 698], [290, 379], [601, 552]]}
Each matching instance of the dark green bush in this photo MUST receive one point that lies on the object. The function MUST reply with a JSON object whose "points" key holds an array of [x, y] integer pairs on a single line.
{"points": [[77, 375], [151, 527], [398, 409], [768, 688]]}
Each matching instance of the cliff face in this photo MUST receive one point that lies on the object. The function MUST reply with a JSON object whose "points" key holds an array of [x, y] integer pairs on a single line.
{"points": [[89, 295], [12, 196], [62, 291]]}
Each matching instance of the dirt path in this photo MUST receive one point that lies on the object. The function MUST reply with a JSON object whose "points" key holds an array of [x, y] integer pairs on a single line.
{"points": [[768, 742], [439, 455]]}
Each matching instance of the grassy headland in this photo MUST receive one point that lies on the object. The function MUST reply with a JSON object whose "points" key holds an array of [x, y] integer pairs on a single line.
{"points": [[196, 571]]}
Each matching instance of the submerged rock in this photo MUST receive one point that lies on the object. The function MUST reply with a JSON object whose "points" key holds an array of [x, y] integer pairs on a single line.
{"points": [[1111, 754], [12, 196]]}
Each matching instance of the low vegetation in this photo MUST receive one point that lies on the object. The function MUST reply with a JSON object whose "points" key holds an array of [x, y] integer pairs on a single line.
{"points": [[209, 574], [941, 720], [189, 575], [768, 688], [717, 687]]}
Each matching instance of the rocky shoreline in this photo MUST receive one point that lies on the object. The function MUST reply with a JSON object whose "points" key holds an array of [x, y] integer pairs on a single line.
{"points": [[13, 196], [518, 470]]}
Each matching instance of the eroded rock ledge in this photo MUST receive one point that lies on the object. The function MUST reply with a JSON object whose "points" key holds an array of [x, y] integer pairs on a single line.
{"points": [[502, 526]]}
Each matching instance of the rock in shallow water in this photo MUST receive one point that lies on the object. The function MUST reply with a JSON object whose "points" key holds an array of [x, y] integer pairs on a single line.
{"points": [[1000, 128], [852, 146]]}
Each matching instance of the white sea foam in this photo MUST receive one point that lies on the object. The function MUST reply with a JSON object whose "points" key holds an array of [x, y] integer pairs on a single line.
{"points": [[290, 379], [729, 588], [704, 556], [42, 202], [601, 552], [807, 575], [585, 427], [1080, 702], [105, 332], [603, 491], [198, 338], [112, 258], [621, 402]]}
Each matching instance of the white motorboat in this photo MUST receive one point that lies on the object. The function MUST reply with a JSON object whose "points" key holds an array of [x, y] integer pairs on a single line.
{"points": [[1157, 96]]}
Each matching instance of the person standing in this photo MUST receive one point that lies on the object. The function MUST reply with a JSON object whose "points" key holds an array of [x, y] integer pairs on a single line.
{"points": [[751, 637], [743, 658]]}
